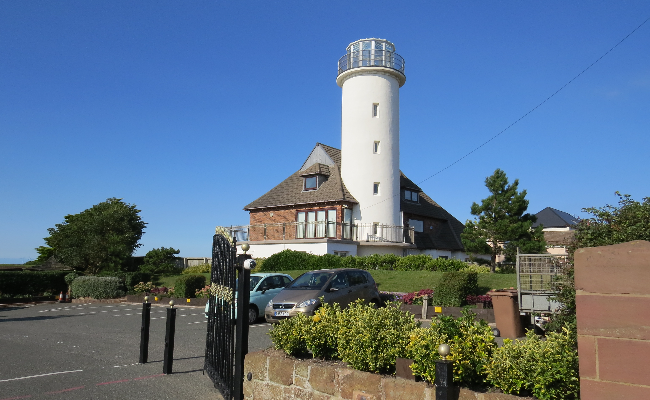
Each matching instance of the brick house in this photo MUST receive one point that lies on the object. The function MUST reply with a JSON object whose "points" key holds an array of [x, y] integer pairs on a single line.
{"points": [[311, 211]]}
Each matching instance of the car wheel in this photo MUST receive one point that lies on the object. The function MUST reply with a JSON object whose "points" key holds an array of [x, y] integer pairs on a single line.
{"points": [[253, 314]]}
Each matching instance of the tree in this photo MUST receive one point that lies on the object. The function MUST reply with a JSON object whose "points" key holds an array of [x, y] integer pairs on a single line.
{"points": [[160, 261], [502, 225], [99, 238], [628, 221]]}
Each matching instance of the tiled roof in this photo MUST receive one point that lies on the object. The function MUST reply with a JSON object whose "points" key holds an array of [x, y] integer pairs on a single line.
{"points": [[552, 218], [290, 191], [448, 236]]}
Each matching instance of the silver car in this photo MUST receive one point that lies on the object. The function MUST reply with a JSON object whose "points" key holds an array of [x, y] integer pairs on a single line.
{"points": [[302, 296]]}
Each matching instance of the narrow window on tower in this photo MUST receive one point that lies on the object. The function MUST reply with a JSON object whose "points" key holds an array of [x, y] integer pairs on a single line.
{"points": [[375, 188], [375, 110], [375, 147]]}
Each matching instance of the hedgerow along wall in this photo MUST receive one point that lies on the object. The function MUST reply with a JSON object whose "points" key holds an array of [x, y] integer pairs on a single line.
{"points": [[613, 313]]}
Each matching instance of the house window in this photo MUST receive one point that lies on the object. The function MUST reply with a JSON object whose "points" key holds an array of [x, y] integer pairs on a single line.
{"points": [[375, 188], [411, 195], [316, 224], [341, 253], [375, 110], [311, 182], [375, 147], [417, 225], [347, 223]]}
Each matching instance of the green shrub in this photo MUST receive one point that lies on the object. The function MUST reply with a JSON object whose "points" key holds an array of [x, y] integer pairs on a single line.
{"points": [[546, 369], [471, 345], [370, 339], [326, 261], [289, 335], [350, 262], [479, 269], [69, 278], [287, 260], [413, 262], [321, 334], [129, 279], [454, 287], [378, 262], [198, 269], [32, 283], [160, 261], [97, 287], [187, 285]]}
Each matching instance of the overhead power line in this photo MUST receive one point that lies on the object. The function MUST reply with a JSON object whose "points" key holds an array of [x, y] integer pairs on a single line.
{"points": [[529, 112]]}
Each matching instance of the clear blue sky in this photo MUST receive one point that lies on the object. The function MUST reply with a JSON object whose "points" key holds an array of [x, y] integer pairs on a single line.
{"points": [[192, 109]]}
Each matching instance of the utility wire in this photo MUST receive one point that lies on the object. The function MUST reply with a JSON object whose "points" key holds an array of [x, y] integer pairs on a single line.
{"points": [[529, 112]]}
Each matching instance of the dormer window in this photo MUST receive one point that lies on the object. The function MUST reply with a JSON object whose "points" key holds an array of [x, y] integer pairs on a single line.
{"points": [[312, 182], [410, 195]]}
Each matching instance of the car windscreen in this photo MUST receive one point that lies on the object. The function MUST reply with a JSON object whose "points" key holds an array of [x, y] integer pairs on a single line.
{"points": [[254, 281], [310, 281]]}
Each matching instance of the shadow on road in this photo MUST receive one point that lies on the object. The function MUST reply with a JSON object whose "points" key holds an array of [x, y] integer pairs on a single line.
{"points": [[39, 318]]}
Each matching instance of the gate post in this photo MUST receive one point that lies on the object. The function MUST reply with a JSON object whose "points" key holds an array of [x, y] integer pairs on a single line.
{"points": [[241, 342]]}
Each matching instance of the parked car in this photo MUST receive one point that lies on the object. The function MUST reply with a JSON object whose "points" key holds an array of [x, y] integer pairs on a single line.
{"points": [[342, 286], [264, 286]]}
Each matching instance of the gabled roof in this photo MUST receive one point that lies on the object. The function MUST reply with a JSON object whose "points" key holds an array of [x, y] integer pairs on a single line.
{"points": [[448, 236], [552, 218], [323, 160], [326, 161]]}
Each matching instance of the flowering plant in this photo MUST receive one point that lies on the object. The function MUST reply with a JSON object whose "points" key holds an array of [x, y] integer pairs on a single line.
{"points": [[201, 293], [484, 299], [417, 297], [144, 287]]}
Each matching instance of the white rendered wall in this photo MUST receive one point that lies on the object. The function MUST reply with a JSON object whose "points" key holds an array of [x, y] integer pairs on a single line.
{"points": [[360, 167]]}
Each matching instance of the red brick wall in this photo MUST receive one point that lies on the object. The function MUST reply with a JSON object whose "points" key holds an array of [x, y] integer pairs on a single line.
{"points": [[286, 215], [613, 311]]}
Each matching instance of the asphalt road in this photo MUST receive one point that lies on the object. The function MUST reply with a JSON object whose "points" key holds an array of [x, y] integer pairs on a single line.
{"points": [[83, 351]]}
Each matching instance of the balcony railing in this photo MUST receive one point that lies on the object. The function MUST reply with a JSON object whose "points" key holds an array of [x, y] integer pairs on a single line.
{"points": [[324, 230], [371, 58]]}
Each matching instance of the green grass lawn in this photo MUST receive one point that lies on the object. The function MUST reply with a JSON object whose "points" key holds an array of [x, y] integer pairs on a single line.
{"points": [[400, 281]]}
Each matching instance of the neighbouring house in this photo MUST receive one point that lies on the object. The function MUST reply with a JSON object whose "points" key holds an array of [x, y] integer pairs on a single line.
{"points": [[559, 229], [356, 200]]}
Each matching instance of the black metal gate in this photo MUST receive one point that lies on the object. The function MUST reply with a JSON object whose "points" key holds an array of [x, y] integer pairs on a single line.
{"points": [[226, 342]]}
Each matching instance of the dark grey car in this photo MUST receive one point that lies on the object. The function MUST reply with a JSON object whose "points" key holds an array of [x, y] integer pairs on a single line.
{"points": [[302, 296]]}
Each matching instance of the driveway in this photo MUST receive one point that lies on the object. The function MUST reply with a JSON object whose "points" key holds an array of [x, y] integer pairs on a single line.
{"points": [[81, 351]]}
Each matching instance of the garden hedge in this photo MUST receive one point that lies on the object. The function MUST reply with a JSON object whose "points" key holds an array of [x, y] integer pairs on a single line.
{"points": [[97, 287], [288, 260], [32, 283], [454, 287], [187, 285]]}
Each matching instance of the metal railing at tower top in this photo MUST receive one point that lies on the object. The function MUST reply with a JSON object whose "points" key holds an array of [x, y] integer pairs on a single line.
{"points": [[371, 58]]}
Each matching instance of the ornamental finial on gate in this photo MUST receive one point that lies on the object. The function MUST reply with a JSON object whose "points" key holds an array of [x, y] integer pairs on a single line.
{"points": [[225, 232]]}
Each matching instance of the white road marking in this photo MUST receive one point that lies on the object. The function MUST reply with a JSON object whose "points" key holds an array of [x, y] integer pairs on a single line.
{"points": [[37, 376]]}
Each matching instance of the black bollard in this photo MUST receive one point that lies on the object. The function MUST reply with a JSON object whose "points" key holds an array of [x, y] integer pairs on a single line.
{"points": [[169, 339], [144, 332], [444, 380]]}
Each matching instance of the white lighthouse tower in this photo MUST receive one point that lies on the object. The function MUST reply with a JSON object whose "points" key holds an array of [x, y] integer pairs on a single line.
{"points": [[370, 75]]}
